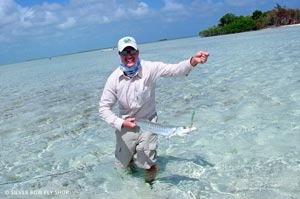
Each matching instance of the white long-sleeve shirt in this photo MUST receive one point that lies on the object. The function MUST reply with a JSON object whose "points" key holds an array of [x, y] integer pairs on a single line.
{"points": [[136, 95]]}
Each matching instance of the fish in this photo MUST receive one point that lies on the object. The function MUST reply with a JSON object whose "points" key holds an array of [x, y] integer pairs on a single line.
{"points": [[164, 130]]}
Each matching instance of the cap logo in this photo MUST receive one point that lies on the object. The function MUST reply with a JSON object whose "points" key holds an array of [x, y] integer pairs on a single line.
{"points": [[127, 40]]}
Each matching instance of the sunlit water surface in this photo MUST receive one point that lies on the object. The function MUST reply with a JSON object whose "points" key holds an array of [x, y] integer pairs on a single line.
{"points": [[246, 100]]}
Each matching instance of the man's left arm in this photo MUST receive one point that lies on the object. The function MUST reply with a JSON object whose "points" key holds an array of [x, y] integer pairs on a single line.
{"points": [[180, 69]]}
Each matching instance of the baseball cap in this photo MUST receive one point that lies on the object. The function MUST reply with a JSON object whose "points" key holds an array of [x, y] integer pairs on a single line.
{"points": [[125, 42]]}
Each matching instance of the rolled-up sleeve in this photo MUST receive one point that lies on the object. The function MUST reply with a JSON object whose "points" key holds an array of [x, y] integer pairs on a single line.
{"points": [[106, 104]]}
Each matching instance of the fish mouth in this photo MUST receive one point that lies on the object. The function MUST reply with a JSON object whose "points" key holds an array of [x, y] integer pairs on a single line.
{"points": [[185, 130]]}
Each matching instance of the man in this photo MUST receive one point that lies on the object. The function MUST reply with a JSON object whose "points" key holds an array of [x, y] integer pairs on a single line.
{"points": [[132, 85]]}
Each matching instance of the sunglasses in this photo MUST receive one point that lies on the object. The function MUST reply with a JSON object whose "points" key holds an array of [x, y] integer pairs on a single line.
{"points": [[127, 52]]}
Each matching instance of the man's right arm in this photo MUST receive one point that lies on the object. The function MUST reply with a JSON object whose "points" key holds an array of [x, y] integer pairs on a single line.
{"points": [[107, 102]]}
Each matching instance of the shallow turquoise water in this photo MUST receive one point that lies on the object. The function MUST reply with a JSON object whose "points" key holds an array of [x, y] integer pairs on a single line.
{"points": [[246, 100]]}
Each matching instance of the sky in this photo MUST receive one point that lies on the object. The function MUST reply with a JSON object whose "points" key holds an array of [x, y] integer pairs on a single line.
{"points": [[33, 29]]}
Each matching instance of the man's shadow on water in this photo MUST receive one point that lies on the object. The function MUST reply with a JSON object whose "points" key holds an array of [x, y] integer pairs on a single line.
{"points": [[175, 178]]}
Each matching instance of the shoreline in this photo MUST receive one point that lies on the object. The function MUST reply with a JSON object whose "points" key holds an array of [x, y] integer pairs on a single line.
{"points": [[284, 26], [269, 28]]}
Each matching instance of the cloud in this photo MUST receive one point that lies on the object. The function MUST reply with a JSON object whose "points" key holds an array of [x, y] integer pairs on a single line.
{"points": [[172, 11], [171, 6], [141, 10], [16, 20], [7, 12], [9, 15], [69, 23], [50, 18]]}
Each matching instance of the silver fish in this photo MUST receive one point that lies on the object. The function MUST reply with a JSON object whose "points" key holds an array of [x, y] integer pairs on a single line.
{"points": [[165, 130]]}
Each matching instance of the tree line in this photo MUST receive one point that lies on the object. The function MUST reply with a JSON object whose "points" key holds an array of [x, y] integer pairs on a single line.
{"points": [[231, 23]]}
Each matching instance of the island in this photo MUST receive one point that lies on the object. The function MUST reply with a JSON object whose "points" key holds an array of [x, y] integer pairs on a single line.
{"points": [[230, 23]]}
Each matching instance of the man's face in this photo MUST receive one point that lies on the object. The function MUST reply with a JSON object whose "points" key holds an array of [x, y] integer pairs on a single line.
{"points": [[130, 57]]}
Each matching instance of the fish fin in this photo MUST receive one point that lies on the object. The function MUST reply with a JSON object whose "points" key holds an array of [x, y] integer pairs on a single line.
{"points": [[192, 119]]}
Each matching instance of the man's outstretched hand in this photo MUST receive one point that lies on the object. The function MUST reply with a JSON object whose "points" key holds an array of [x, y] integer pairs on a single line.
{"points": [[200, 58]]}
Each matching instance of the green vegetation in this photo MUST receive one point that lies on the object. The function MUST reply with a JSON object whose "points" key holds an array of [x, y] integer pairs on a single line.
{"points": [[231, 23]]}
